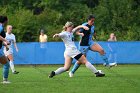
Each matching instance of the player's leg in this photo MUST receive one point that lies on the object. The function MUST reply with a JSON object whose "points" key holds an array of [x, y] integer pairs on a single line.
{"points": [[96, 47], [83, 50], [81, 58], [4, 61], [75, 66], [68, 61], [10, 57]]}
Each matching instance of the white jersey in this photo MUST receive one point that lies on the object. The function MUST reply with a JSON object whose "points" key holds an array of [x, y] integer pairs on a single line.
{"points": [[11, 39], [68, 39]]}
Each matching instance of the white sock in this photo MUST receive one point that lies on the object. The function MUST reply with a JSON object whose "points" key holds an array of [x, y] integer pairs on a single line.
{"points": [[12, 66], [60, 70], [91, 67]]}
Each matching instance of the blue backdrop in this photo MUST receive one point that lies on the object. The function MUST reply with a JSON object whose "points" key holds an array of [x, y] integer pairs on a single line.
{"points": [[52, 53]]}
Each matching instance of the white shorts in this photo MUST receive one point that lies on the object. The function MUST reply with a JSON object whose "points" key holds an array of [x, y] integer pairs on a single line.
{"points": [[72, 52], [10, 51]]}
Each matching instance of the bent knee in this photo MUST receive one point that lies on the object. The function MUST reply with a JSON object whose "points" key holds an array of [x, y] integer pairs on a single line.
{"points": [[83, 61]]}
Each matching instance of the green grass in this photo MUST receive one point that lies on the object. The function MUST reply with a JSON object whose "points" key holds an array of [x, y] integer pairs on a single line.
{"points": [[120, 79]]}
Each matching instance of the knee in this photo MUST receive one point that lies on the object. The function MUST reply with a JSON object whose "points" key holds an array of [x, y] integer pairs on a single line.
{"points": [[78, 63], [83, 61], [67, 68]]}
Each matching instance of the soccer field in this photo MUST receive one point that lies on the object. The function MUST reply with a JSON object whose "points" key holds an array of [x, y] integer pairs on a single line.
{"points": [[31, 79]]}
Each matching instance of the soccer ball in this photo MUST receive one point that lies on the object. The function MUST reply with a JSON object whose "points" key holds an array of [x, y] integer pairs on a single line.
{"points": [[100, 71]]}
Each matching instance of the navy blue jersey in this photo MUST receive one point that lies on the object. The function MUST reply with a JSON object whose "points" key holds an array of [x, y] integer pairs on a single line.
{"points": [[2, 33], [87, 35]]}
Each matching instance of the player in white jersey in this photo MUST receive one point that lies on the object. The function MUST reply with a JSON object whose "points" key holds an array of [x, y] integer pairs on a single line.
{"points": [[11, 38], [71, 51]]}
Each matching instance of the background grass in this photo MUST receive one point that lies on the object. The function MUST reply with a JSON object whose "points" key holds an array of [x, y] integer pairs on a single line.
{"points": [[31, 79]]}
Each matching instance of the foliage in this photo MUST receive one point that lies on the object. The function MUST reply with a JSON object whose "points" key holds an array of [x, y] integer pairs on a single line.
{"points": [[29, 16]]}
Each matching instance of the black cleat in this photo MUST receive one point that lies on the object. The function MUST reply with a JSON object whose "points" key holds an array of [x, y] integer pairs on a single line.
{"points": [[51, 74], [98, 74], [15, 72]]}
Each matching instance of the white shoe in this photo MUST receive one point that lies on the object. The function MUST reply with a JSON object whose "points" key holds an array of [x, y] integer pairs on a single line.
{"points": [[6, 82], [112, 64], [71, 74]]}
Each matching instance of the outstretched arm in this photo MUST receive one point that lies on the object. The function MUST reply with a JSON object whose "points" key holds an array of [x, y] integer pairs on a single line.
{"points": [[79, 33], [78, 27], [62, 34], [56, 35]]}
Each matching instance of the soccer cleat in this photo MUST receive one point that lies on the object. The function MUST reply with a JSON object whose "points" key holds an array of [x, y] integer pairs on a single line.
{"points": [[110, 64], [6, 82], [71, 74], [98, 74], [51, 74], [15, 72]]}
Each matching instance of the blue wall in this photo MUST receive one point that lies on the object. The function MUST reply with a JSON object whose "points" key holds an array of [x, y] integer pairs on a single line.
{"points": [[52, 53]]}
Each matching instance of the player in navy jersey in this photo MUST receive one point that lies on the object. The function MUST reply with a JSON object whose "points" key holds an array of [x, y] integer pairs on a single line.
{"points": [[3, 59], [87, 43], [71, 51]]}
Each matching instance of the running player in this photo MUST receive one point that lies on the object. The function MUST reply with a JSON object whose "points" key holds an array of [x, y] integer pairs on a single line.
{"points": [[71, 51], [11, 38], [87, 43], [3, 59]]}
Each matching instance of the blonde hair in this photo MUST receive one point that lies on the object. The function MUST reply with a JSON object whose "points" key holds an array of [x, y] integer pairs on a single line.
{"points": [[68, 24]]}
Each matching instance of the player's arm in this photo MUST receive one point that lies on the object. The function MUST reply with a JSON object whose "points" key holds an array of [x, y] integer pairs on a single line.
{"points": [[55, 35], [5, 42], [95, 35], [15, 45], [79, 27], [79, 33], [59, 35], [3, 39]]}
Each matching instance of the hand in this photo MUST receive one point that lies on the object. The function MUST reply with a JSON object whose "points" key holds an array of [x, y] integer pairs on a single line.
{"points": [[6, 43], [81, 34], [85, 27], [55, 35]]}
